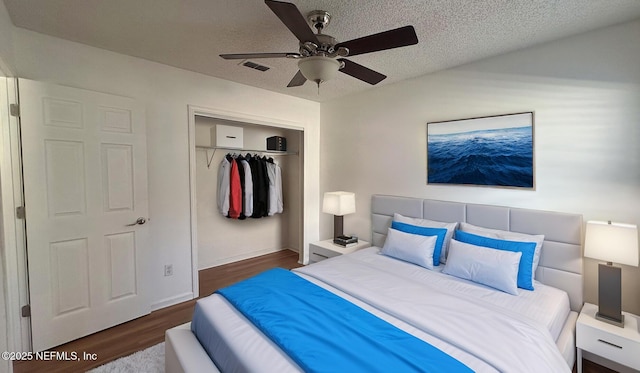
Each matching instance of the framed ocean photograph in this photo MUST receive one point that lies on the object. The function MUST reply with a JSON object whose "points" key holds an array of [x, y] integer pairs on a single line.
{"points": [[492, 151]]}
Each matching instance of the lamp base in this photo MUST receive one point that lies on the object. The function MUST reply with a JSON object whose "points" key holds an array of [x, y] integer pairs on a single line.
{"points": [[611, 321], [338, 223], [610, 295]]}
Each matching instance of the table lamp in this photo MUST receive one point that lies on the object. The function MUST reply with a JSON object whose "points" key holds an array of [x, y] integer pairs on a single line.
{"points": [[611, 242], [339, 204]]}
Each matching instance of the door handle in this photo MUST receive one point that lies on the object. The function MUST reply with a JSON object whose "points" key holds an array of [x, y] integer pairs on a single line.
{"points": [[140, 221]]}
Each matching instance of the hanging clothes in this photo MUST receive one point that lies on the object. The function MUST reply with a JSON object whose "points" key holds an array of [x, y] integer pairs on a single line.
{"points": [[247, 206], [239, 159], [249, 186], [265, 186], [280, 201], [235, 193], [260, 187], [275, 187], [224, 172]]}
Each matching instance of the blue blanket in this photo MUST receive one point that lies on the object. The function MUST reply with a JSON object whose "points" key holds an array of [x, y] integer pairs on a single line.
{"points": [[322, 332]]}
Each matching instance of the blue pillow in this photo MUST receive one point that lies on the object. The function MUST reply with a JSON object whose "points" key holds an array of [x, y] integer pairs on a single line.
{"points": [[528, 249], [424, 231]]}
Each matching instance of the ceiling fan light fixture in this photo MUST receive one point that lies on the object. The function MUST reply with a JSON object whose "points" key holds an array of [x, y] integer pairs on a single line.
{"points": [[319, 68]]}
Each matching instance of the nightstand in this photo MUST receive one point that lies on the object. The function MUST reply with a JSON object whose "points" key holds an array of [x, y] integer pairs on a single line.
{"points": [[620, 345], [326, 249]]}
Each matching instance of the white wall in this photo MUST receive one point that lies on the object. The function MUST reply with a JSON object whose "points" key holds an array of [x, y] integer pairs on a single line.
{"points": [[585, 91], [166, 92]]}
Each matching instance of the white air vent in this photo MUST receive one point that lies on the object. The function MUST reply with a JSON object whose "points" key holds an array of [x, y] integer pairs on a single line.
{"points": [[255, 66]]}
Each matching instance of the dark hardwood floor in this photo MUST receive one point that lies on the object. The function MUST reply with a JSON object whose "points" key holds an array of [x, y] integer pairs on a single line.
{"points": [[591, 367], [146, 331]]}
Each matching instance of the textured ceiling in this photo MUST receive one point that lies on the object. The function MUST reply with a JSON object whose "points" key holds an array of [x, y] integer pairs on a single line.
{"points": [[190, 34]]}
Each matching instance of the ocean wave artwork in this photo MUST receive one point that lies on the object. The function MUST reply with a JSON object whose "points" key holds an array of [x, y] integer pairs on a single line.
{"points": [[492, 157]]}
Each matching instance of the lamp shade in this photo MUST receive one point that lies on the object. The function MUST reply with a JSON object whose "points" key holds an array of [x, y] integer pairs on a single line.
{"points": [[319, 68], [612, 242], [339, 203]]}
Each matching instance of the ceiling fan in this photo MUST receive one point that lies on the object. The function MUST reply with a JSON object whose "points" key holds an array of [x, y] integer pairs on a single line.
{"points": [[320, 56]]}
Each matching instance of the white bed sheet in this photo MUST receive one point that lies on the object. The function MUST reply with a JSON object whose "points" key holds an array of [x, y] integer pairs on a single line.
{"points": [[242, 347], [506, 339], [546, 305]]}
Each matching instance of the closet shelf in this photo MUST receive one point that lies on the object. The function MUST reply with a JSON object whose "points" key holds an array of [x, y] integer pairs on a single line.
{"points": [[214, 148], [248, 150]]}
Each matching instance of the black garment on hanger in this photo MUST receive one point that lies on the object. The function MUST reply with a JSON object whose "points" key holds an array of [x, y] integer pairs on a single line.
{"points": [[260, 187], [265, 185]]}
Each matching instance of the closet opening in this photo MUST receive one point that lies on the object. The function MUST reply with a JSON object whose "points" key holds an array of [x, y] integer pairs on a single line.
{"points": [[220, 236]]}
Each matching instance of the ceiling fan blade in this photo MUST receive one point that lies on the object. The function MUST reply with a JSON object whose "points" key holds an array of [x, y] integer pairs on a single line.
{"points": [[360, 72], [293, 19], [244, 56], [395, 38], [297, 80]]}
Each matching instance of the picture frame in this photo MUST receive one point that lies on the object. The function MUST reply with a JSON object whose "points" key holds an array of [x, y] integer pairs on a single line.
{"points": [[492, 151]]}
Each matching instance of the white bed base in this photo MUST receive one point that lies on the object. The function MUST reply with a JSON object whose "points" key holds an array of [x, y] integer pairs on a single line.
{"points": [[184, 354], [560, 263]]}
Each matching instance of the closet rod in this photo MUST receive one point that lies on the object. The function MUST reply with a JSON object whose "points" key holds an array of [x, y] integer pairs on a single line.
{"points": [[271, 152]]}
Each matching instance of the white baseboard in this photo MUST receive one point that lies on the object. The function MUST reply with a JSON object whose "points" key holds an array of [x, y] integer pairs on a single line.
{"points": [[237, 258], [171, 301]]}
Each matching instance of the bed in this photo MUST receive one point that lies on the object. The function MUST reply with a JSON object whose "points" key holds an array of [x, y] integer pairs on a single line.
{"points": [[393, 290]]}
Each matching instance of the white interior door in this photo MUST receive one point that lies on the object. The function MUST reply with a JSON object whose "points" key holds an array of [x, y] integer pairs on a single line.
{"points": [[85, 182]]}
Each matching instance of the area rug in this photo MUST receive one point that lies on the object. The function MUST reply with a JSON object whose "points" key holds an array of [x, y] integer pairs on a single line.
{"points": [[150, 360]]}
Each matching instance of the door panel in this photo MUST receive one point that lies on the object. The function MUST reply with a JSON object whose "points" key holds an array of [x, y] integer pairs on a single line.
{"points": [[117, 176], [65, 178], [85, 181], [121, 250], [69, 276]]}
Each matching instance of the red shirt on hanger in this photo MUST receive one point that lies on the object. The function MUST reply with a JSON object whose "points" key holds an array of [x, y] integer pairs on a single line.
{"points": [[235, 192]]}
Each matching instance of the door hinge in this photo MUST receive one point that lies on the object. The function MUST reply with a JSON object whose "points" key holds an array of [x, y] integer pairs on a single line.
{"points": [[14, 110], [20, 213], [25, 311]]}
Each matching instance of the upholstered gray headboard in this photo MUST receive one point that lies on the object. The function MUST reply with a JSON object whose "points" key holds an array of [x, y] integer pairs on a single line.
{"points": [[561, 258]]}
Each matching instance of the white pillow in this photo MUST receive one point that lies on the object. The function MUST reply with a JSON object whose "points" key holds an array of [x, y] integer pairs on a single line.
{"points": [[509, 236], [413, 248], [451, 227], [495, 268]]}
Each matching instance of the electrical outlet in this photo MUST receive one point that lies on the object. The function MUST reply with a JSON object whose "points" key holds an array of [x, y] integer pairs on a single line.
{"points": [[168, 270]]}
